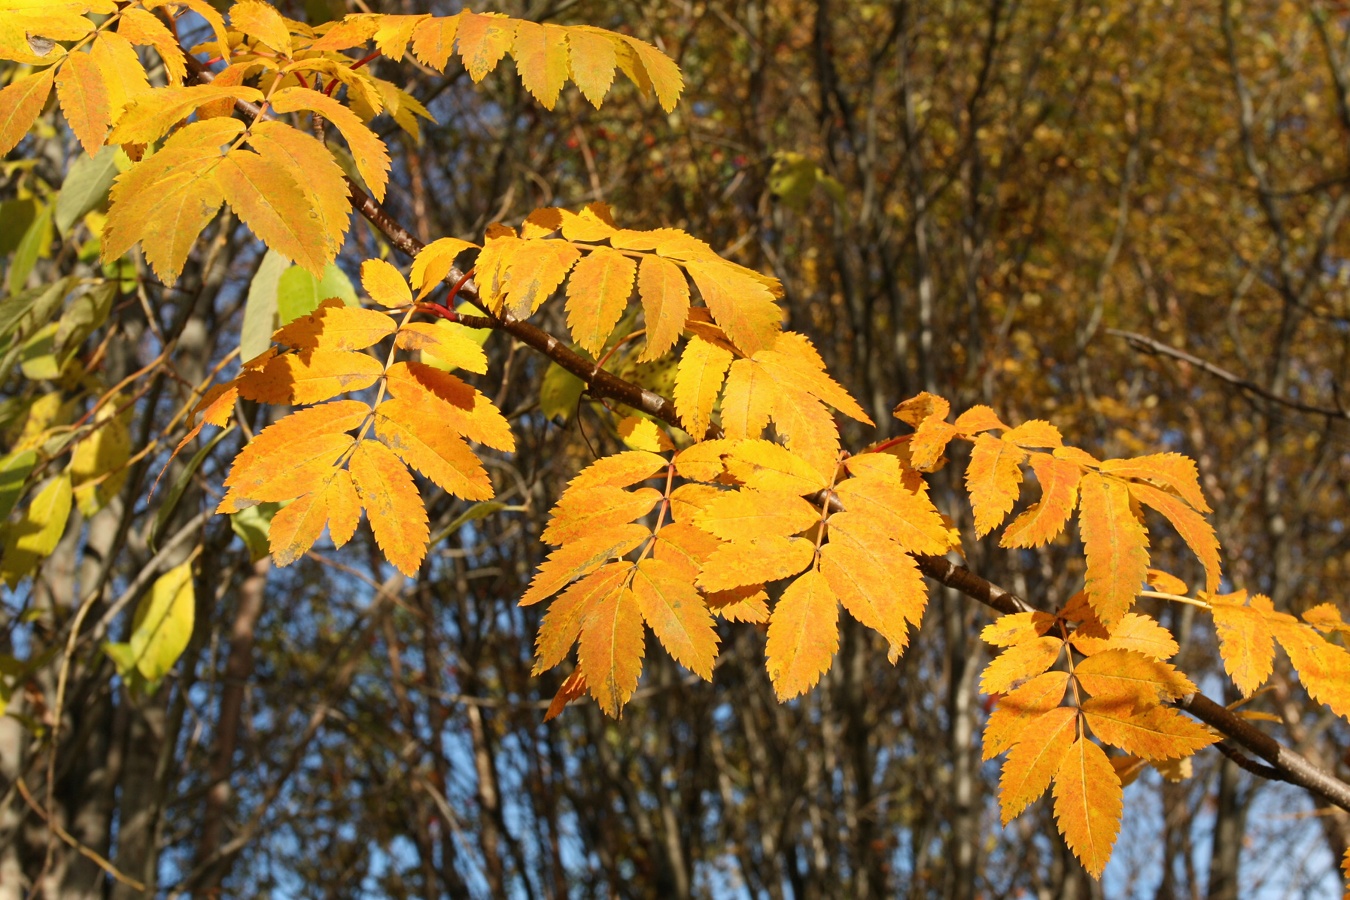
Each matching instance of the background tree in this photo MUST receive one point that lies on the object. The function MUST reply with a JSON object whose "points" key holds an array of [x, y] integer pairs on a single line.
{"points": [[1039, 208]]}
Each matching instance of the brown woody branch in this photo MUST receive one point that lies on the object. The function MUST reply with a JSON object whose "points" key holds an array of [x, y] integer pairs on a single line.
{"points": [[1289, 765]]}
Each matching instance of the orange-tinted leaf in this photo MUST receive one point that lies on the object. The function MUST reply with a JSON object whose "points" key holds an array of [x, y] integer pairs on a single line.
{"points": [[993, 480], [1059, 495], [1133, 632], [684, 546], [803, 635], [581, 512], [1130, 674], [540, 52], [735, 515], [20, 103], [261, 21], [703, 461], [451, 401], [906, 517], [312, 167], [1170, 470], [807, 426], [740, 303], [321, 374], [1008, 724], [142, 27], [372, 159], [336, 327], [1018, 663], [1015, 628], [794, 361], [766, 466], [1149, 732], [1088, 802], [561, 625], [433, 263], [303, 467], [878, 583], [1246, 644], [749, 400], [84, 100], [612, 648], [676, 614], [297, 526], [597, 295], [1034, 433], [448, 347], [978, 418], [929, 443], [1323, 667], [698, 380], [159, 110], [344, 507], [432, 449], [1116, 545], [433, 40], [665, 303], [385, 284], [393, 505], [580, 558], [1167, 583], [922, 407], [1194, 530], [756, 561], [275, 208], [591, 58], [619, 470], [484, 38], [747, 604], [1034, 760], [573, 686]]}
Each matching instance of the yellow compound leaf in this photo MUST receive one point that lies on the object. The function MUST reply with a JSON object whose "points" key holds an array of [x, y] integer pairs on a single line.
{"points": [[879, 584], [592, 60], [448, 399], [733, 515], [20, 103], [803, 635], [533, 271], [1167, 583], [749, 400], [807, 426], [665, 303], [703, 461], [756, 561], [121, 70], [450, 348], [906, 517], [766, 466], [581, 557], [393, 505], [297, 470], [393, 33], [611, 649], [141, 27], [297, 526], [344, 507], [1169, 470], [166, 200], [1194, 530], [432, 449], [641, 433], [484, 38], [929, 443], [619, 470], [684, 546], [698, 380], [794, 362], [352, 31], [661, 71], [747, 604], [162, 624], [307, 161], [581, 512], [1323, 667], [1044, 520], [37, 532], [1016, 628], [385, 284], [372, 159], [156, 112], [84, 100], [922, 407], [323, 374], [597, 295], [677, 615], [1116, 545], [1130, 675], [540, 52], [593, 224], [743, 305], [1019, 663], [1088, 802], [1325, 617], [1133, 632], [1035, 759], [433, 263], [252, 465], [1008, 723], [275, 208], [1149, 732], [561, 625], [993, 479], [336, 327], [433, 40], [1034, 433], [261, 21], [977, 419]]}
